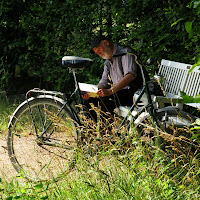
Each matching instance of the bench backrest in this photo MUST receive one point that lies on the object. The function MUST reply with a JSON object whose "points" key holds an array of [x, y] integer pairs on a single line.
{"points": [[178, 79]]}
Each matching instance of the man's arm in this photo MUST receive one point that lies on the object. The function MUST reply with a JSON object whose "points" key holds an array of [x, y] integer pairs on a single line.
{"points": [[103, 87], [126, 80]]}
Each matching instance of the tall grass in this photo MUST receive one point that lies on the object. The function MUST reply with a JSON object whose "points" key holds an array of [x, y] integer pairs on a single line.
{"points": [[135, 169], [140, 174], [6, 109]]}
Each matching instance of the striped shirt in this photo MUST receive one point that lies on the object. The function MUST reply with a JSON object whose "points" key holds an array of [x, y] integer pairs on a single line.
{"points": [[128, 63]]}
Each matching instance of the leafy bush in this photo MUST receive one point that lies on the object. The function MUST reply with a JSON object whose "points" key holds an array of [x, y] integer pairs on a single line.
{"points": [[35, 35]]}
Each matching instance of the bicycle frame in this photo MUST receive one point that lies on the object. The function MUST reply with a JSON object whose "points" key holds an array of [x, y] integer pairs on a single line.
{"points": [[148, 107], [32, 126], [68, 102]]}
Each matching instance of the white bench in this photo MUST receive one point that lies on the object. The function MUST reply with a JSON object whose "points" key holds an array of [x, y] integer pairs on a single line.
{"points": [[179, 79]]}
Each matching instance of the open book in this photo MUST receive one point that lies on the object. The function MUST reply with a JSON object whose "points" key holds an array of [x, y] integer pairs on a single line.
{"points": [[89, 88]]}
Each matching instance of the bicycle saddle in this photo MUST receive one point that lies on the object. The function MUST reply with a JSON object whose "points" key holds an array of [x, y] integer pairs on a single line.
{"points": [[75, 62]]}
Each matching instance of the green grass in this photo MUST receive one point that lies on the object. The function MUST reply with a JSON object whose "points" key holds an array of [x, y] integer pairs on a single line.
{"points": [[141, 172]]}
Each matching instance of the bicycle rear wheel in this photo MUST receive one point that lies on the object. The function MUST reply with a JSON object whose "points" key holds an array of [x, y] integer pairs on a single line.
{"points": [[41, 150], [168, 119], [171, 118], [171, 127]]}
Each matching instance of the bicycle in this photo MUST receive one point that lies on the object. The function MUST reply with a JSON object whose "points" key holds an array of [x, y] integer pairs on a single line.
{"points": [[44, 132]]}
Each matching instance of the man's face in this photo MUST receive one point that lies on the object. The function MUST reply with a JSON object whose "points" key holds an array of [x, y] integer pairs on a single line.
{"points": [[103, 50]]}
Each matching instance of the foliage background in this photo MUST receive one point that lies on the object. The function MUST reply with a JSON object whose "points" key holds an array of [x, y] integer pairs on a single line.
{"points": [[35, 35]]}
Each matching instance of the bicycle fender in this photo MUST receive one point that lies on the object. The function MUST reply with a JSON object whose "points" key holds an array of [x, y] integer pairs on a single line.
{"points": [[170, 110], [141, 118], [32, 99]]}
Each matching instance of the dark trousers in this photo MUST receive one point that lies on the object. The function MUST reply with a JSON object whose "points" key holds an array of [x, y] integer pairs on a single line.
{"points": [[108, 104]]}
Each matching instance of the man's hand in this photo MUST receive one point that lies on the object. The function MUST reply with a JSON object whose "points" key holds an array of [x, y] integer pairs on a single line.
{"points": [[85, 96], [104, 92], [122, 83]]}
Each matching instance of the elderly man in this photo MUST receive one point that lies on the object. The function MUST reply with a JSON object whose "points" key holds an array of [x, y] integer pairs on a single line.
{"points": [[121, 76]]}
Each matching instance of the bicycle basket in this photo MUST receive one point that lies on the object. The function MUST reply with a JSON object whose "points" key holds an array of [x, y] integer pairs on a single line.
{"points": [[75, 62]]}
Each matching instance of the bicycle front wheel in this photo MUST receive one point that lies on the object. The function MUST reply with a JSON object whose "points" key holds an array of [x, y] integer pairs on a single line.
{"points": [[171, 118], [168, 120], [41, 138]]}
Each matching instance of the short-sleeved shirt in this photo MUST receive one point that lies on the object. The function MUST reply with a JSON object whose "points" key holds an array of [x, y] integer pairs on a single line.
{"points": [[128, 63]]}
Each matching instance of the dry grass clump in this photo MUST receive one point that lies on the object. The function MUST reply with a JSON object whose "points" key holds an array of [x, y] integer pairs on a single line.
{"points": [[104, 133], [140, 169], [179, 143], [103, 136]]}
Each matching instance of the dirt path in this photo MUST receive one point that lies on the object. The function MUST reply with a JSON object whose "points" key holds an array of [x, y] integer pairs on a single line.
{"points": [[37, 160], [7, 172]]}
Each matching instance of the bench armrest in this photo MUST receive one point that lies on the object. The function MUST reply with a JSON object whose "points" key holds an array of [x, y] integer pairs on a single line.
{"points": [[169, 99]]}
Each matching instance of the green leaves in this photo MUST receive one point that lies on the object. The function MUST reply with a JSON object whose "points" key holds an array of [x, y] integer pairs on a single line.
{"points": [[176, 22], [188, 28], [190, 99], [40, 33], [197, 63], [196, 128]]}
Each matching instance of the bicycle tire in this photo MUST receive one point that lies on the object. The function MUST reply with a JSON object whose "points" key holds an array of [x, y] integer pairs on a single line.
{"points": [[168, 118], [170, 121], [29, 155], [172, 118]]}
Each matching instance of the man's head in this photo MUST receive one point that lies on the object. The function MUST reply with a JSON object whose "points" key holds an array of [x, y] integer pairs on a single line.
{"points": [[102, 46]]}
